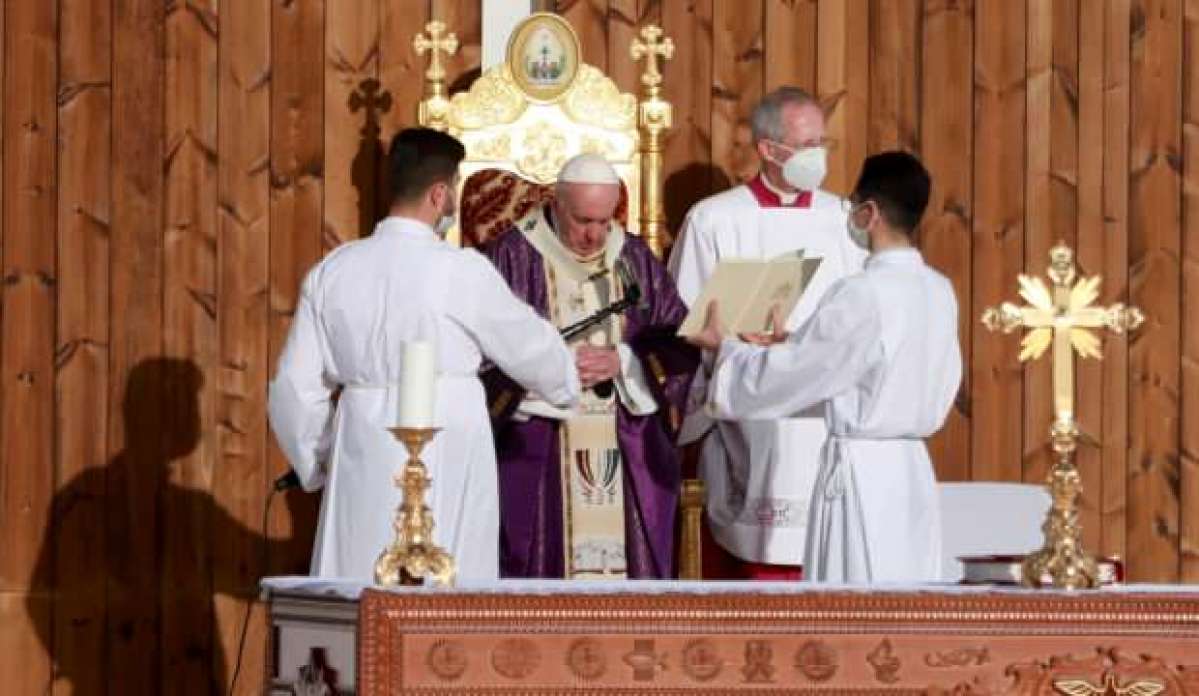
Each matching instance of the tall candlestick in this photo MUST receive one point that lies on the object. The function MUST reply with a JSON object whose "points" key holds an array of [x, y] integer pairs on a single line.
{"points": [[418, 379]]}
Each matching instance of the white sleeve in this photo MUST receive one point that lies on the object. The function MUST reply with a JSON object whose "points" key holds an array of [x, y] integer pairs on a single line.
{"points": [[693, 258], [509, 333], [825, 357], [631, 384], [692, 261], [299, 402]]}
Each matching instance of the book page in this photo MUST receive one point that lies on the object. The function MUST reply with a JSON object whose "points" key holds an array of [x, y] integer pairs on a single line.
{"points": [[746, 291], [733, 284]]}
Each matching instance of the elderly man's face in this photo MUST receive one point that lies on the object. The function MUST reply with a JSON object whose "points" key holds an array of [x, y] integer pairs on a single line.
{"points": [[803, 126], [582, 215]]}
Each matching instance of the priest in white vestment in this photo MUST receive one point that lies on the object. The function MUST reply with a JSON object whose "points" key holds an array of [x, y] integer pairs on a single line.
{"points": [[759, 472], [882, 351], [356, 309]]}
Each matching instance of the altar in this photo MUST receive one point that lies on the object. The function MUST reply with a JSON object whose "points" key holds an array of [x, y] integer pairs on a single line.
{"points": [[558, 637]]}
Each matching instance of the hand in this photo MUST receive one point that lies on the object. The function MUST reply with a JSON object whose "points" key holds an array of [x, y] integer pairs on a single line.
{"points": [[713, 332], [776, 334], [596, 365]]}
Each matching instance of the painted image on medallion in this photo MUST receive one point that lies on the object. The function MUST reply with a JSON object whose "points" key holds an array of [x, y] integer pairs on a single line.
{"points": [[545, 58]]}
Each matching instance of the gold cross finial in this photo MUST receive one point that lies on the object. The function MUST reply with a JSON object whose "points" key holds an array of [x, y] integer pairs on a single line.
{"points": [[650, 49], [1062, 317], [436, 44]]}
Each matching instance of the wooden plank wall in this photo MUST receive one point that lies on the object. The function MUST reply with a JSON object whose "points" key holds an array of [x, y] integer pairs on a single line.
{"points": [[169, 171]]}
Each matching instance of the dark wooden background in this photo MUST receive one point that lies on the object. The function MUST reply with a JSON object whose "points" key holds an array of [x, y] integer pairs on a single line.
{"points": [[171, 168]]}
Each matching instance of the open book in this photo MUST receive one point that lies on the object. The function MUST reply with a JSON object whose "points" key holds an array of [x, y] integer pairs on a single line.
{"points": [[747, 289]]}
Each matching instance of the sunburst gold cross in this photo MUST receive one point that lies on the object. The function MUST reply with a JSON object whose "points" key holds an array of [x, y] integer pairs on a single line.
{"points": [[651, 46], [436, 44], [1062, 317]]}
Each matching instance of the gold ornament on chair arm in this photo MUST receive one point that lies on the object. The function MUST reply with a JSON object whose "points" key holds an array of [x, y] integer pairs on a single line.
{"points": [[654, 118], [1061, 317], [433, 110]]}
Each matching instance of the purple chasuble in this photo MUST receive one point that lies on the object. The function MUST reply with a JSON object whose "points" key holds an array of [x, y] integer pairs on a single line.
{"points": [[527, 453]]}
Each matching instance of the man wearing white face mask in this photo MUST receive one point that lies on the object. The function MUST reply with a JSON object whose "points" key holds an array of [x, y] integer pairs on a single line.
{"points": [[759, 473], [882, 352], [356, 309]]}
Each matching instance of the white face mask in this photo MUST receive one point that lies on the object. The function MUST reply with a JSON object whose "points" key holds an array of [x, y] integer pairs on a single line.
{"points": [[444, 223], [859, 235], [806, 168]]}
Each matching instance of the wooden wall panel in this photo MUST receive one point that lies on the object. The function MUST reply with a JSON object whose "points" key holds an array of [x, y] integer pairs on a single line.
{"points": [[946, 140], [736, 86], [1038, 232], [690, 174], [27, 323], [69, 557], [590, 21], [1189, 447], [790, 44], [842, 85], [351, 154], [998, 250], [297, 191], [1154, 217], [895, 49], [1116, 61], [242, 325], [1089, 244], [190, 337], [137, 469]]}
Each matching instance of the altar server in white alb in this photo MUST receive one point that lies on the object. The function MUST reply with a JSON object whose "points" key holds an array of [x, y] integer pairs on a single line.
{"points": [[357, 309], [882, 351], [759, 473]]}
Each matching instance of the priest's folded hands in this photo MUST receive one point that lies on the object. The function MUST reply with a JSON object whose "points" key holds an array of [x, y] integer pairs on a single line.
{"points": [[597, 365]]}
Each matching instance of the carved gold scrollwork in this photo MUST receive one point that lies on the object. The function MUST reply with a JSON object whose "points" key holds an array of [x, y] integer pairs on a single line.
{"points": [[544, 152], [498, 148], [596, 100], [493, 100]]}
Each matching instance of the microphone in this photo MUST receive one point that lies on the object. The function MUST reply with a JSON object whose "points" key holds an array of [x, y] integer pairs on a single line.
{"points": [[289, 480]]}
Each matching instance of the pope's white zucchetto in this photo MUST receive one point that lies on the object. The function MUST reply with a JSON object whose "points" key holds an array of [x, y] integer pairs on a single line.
{"points": [[588, 168]]}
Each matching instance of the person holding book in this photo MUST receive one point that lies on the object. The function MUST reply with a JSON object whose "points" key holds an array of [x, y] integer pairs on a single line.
{"points": [[881, 351], [759, 473], [592, 491]]}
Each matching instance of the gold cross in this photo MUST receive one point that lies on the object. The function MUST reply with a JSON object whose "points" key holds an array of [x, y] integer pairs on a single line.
{"points": [[1064, 318], [650, 49], [436, 44]]}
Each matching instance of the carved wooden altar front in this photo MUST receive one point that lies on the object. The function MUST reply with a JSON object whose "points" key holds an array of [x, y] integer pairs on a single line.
{"points": [[827, 642]]}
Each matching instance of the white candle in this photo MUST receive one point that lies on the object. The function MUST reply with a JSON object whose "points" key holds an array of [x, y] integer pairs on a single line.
{"points": [[418, 379]]}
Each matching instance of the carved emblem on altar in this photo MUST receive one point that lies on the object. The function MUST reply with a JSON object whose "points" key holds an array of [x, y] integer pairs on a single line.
{"points": [[816, 660], [759, 658], [701, 660], [645, 660], [515, 658], [447, 659], [885, 663], [586, 658]]}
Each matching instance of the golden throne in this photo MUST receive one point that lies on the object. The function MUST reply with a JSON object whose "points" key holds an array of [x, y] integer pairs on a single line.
{"points": [[523, 118]]}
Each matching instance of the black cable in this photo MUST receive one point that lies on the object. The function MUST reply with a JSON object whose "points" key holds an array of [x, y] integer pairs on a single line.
{"points": [[245, 622]]}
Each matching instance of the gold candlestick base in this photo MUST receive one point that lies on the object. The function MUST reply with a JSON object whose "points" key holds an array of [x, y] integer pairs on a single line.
{"points": [[1062, 558], [413, 556]]}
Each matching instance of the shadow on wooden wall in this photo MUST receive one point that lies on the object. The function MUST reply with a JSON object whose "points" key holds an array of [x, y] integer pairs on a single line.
{"points": [[162, 417]]}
